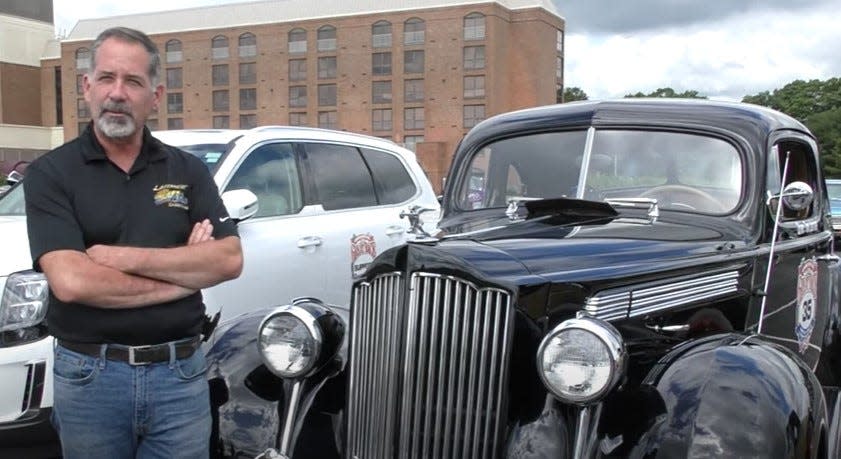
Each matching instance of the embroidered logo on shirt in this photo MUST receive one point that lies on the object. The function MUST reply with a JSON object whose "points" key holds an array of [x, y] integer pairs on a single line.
{"points": [[171, 196]]}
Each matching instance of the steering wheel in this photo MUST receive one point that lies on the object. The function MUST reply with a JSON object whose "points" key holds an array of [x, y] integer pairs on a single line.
{"points": [[696, 198]]}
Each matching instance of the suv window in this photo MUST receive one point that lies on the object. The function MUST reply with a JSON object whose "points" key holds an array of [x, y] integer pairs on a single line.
{"points": [[271, 173], [391, 181], [341, 176]]}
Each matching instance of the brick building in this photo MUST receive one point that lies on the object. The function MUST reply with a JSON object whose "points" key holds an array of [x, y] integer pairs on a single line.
{"points": [[26, 30], [420, 72]]}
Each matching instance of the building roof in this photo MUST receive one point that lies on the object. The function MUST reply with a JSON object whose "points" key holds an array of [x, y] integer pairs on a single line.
{"points": [[271, 11]]}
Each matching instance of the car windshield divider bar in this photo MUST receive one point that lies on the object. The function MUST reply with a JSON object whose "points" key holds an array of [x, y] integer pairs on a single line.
{"points": [[777, 217]]}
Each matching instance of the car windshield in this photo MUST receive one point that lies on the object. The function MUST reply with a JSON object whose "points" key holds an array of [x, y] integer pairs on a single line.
{"points": [[681, 171], [12, 202], [209, 153]]}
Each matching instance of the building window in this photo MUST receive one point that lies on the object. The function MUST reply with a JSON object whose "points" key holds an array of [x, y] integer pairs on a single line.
{"points": [[221, 122], [381, 119], [381, 92], [474, 26], [248, 121], [219, 47], [152, 124], [473, 114], [220, 75], [328, 120], [297, 96], [297, 41], [248, 99], [411, 141], [413, 31], [413, 118], [83, 59], [175, 123], [381, 34], [560, 42], [381, 63], [413, 61], [326, 38], [59, 108], [221, 102], [297, 69], [474, 86], [474, 57], [559, 68], [247, 45], [326, 67], [327, 95], [82, 125], [413, 91], [82, 110], [173, 52], [174, 102], [80, 85], [174, 78], [248, 73], [298, 119]]}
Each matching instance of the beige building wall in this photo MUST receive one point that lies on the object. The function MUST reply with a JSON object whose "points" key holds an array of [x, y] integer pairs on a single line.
{"points": [[520, 63]]}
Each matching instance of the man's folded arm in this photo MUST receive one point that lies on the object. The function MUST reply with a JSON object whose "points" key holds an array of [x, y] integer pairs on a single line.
{"points": [[75, 278]]}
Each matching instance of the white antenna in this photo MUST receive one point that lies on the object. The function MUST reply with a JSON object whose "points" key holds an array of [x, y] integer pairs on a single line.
{"points": [[773, 245]]}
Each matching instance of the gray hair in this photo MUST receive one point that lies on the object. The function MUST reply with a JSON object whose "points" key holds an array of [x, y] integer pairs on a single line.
{"points": [[131, 36]]}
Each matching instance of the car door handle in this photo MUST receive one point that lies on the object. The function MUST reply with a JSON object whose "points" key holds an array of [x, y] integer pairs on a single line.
{"points": [[394, 230], [309, 241]]}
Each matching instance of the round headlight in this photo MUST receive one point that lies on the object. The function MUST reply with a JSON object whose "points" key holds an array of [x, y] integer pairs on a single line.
{"points": [[290, 341], [581, 360]]}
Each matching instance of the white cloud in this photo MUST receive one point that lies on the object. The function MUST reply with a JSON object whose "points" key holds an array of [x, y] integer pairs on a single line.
{"points": [[740, 55]]}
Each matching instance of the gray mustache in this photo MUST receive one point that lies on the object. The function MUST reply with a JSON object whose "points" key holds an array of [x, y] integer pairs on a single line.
{"points": [[116, 107]]}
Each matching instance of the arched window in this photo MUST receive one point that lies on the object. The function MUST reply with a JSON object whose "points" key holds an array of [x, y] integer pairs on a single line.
{"points": [[219, 47], [83, 59], [173, 52], [247, 45], [474, 26], [413, 31], [381, 34], [297, 41], [327, 38]]}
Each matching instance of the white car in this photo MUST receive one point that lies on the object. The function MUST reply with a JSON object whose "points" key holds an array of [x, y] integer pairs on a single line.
{"points": [[327, 203]]}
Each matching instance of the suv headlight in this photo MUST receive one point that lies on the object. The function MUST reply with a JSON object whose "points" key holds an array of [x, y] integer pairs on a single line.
{"points": [[581, 360], [24, 301]]}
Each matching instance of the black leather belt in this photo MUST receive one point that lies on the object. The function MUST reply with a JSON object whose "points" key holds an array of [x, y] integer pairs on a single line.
{"points": [[137, 355]]}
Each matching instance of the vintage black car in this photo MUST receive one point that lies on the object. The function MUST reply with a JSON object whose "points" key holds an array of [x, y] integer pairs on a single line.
{"points": [[634, 278]]}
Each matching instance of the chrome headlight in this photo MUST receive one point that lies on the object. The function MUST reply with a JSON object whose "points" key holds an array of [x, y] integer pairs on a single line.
{"points": [[290, 341], [581, 360], [24, 301]]}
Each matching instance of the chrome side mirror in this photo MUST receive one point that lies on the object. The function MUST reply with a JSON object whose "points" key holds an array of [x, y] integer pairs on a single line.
{"points": [[798, 196]]}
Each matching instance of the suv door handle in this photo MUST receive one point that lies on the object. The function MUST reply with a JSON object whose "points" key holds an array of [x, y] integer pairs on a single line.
{"points": [[309, 241], [394, 230]]}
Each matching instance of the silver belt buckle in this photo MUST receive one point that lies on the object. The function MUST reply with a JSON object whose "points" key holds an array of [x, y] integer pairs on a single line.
{"points": [[131, 359]]}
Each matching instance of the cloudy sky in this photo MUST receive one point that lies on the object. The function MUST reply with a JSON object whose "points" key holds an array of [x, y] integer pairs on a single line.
{"points": [[720, 48]]}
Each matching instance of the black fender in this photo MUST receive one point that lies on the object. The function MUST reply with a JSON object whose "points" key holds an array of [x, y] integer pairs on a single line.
{"points": [[248, 402], [735, 396]]}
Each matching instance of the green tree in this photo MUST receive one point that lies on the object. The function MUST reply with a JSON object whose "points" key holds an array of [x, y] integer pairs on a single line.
{"points": [[572, 94], [668, 92], [817, 104]]}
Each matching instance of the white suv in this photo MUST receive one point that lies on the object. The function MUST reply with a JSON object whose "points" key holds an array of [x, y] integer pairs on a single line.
{"points": [[327, 203]]}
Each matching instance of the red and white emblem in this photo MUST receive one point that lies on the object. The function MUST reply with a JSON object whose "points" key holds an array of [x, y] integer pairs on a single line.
{"points": [[807, 301], [363, 250]]}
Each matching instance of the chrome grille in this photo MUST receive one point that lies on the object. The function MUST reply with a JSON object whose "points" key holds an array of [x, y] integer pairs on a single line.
{"points": [[436, 367]]}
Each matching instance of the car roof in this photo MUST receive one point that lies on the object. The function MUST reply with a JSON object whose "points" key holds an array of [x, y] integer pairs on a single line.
{"points": [[181, 137]]}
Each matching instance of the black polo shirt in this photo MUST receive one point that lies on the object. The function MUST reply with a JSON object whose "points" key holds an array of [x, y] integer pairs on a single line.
{"points": [[76, 198]]}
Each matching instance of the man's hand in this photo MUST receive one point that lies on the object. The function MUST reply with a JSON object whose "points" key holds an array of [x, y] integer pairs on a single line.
{"points": [[202, 231]]}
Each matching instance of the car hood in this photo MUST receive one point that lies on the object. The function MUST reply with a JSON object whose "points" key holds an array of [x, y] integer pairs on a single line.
{"points": [[581, 253], [15, 254]]}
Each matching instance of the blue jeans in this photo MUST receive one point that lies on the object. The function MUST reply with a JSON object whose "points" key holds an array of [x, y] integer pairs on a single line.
{"points": [[109, 409]]}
